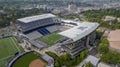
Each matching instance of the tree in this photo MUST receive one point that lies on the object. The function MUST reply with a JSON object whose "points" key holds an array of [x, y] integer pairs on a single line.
{"points": [[103, 46], [83, 54], [111, 57], [66, 60], [88, 65], [57, 64]]}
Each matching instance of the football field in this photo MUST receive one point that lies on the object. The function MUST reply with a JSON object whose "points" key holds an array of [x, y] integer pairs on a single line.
{"points": [[8, 47], [51, 39]]}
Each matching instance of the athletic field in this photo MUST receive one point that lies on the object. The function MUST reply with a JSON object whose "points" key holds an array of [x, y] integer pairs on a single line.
{"points": [[51, 38], [8, 47], [28, 60]]}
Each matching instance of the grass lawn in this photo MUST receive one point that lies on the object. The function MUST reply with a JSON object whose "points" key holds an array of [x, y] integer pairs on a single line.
{"points": [[8, 47], [51, 38], [25, 60]]}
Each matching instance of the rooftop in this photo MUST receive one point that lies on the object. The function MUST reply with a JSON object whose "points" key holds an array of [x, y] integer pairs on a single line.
{"points": [[34, 18], [101, 64], [93, 60], [80, 31], [71, 21]]}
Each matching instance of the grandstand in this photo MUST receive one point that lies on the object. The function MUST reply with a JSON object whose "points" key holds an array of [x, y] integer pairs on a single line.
{"points": [[52, 28], [43, 31], [79, 38], [35, 27], [34, 35], [32, 23]]}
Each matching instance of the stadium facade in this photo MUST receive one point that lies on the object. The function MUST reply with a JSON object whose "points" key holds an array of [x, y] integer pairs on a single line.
{"points": [[79, 38]]}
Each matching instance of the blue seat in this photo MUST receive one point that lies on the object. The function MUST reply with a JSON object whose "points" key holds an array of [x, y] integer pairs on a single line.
{"points": [[43, 31]]}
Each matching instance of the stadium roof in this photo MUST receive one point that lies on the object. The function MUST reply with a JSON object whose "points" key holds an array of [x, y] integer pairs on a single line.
{"points": [[34, 18], [70, 21], [80, 31]]}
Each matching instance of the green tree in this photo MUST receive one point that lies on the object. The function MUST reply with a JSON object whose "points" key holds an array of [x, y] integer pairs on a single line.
{"points": [[88, 65], [103, 46], [57, 64], [111, 57]]}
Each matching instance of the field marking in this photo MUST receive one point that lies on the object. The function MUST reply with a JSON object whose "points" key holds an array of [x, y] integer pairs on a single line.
{"points": [[6, 57], [13, 47], [15, 44]]}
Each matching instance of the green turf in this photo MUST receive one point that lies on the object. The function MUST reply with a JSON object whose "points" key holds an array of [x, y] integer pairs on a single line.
{"points": [[25, 60], [8, 47], [51, 38]]}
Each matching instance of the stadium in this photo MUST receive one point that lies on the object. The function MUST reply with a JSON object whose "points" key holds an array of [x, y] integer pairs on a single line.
{"points": [[41, 30], [47, 30]]}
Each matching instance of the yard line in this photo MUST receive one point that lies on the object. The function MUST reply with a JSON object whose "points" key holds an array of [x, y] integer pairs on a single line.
{"points": [[15, 44], [12, 44]]}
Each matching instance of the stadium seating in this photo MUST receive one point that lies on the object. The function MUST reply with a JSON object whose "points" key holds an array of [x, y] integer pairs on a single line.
{"points": [[34, 35], [43, 31], [52, 28]]}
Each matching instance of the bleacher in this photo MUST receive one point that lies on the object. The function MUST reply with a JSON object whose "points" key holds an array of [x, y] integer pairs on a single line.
{"points": [[52, 28], [43, 31], [34, 35]]}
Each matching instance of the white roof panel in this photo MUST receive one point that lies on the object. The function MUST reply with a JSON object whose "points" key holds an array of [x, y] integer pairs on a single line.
{"points": [[93, 60], [34, 18], [80, 31], [70, 21]]}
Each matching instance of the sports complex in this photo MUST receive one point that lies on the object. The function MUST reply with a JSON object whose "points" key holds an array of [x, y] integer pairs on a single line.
{"points": [[46, 32]]}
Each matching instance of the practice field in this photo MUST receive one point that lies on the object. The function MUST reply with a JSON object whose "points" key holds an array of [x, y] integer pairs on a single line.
{"points": [[8, 47], [51, 38], [28, 60]]}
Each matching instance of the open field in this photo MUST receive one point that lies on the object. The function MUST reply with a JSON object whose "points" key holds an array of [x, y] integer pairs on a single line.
{"points": [[51, 38], [8, 47], [26, 60]]}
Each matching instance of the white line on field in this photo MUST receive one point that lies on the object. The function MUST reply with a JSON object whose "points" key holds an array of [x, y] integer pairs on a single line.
{"points": [[15, 44]]}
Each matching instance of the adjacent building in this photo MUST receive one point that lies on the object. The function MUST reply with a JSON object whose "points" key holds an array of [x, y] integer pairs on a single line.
{"points": [[79, 38], [93, 60], [101, 64], [109, 18], [72, 8]]}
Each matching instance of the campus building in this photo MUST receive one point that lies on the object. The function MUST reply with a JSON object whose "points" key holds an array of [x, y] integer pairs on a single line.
{"points": [[79, 38]]}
